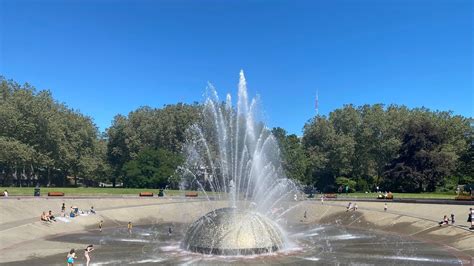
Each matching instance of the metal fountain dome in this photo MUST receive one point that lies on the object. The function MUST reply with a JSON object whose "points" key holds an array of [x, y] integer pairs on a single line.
{"points": [[230, 231]]}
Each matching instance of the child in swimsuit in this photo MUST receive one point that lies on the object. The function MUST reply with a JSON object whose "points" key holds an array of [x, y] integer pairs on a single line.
{"points": [[70, 257]]}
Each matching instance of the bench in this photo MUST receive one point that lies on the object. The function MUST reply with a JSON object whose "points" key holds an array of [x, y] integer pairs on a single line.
{"points": [[55, 194], [330, 196], [146, 194], [191, 194], [464, 197]]}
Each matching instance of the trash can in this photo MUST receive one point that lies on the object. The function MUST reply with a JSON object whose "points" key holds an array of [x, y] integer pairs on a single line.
{"points": [[37, 192], [160, 193]]}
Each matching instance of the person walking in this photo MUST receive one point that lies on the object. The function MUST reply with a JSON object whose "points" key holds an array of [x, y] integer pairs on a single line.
{"points": [[385, 207], [470, 218], [170, 231], [87, 252], [452, 219]]}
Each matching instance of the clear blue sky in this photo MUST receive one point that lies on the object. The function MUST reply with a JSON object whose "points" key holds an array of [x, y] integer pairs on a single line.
{"points": [[108, 57]]}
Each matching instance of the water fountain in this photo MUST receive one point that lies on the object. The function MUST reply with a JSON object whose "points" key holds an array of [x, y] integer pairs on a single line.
{"points": [[233, 155], [234, 160]]}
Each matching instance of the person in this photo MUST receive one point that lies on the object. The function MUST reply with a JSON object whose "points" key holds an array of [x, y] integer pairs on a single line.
{"points": [[63, 208], [322, 199], [100, 225], [305, 215], [347, 189], [470, 218], [170, 231], [444, 221], [87, 251], [92, 210], [129, 227], [355, 206], [44, 217], [339, 190], [385, 207], [452, 218], [349, 206], [51, 216], [70, 257], [5, 193]]}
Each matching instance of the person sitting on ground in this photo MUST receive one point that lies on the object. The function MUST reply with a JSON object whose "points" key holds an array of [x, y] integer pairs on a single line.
{"points": [[355, 207], [51, 216], [92, 210], [71, 213], [444, 221], [44, 217]]}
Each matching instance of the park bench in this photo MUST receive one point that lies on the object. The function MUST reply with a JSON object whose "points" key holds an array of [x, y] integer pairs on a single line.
{"points": [[330, 196], [55, 194], [191, 194], [464, 197], [146, 194]]}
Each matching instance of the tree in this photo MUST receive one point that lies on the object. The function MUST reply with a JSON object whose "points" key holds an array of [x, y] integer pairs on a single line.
{"points": [[425, 159], [293, 157], [151, 169]]}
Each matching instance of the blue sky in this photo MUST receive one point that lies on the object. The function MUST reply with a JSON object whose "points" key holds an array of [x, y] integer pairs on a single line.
{"points": [[107, 57]]}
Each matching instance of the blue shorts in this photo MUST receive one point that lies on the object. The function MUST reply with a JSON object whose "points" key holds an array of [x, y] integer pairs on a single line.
{"points": [[70, 260]]}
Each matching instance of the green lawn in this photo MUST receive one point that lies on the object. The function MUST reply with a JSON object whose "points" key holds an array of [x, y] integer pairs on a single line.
{"points": [[433, 195], [80, 191]]}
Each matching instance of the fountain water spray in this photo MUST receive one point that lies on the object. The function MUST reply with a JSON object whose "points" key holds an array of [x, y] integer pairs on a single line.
{"points": [[233, 155]]}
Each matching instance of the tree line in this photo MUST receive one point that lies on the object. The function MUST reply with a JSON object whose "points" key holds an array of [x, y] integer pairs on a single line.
{"points": [[400, 149]]}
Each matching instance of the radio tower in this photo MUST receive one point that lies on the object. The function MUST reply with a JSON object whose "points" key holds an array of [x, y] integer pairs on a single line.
{"points": [[316, 104]]}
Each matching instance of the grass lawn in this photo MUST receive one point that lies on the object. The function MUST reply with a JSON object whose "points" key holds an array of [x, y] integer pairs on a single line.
{"points": [[432, 195], [80, 191]]}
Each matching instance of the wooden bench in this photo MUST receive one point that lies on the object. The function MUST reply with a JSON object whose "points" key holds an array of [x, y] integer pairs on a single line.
{"points": [[464, 197], [330, 196], [55, 194], [146, 194], [191, 194]]}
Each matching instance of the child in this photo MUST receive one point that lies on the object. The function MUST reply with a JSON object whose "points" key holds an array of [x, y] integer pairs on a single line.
{"points": [[452, 218], [385, 207], [70, 257], [100, 225], [129, 227]]}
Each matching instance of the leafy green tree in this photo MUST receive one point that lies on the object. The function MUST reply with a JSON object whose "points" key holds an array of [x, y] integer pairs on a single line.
{"points": [[151, 169], [294, 160]]}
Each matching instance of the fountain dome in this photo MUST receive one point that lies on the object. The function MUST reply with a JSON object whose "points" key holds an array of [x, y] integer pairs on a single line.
{"points": [[231, 231]]}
